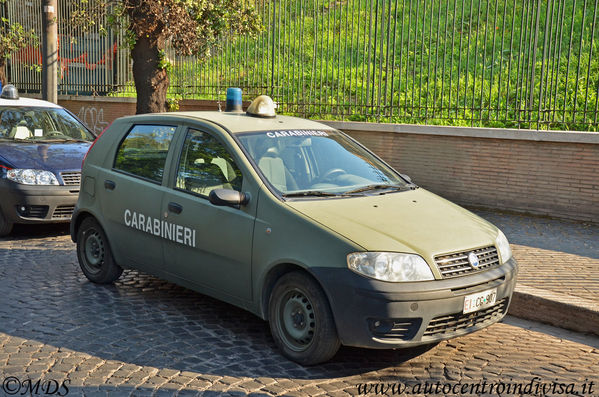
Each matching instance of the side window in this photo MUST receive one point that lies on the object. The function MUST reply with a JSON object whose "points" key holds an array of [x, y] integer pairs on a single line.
{"points": [[9, 119], [143, 152], [206, 165]]}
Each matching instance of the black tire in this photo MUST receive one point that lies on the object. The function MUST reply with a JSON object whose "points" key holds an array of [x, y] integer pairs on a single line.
{"points": [[301, 321], [5, 226], [94, 253]]}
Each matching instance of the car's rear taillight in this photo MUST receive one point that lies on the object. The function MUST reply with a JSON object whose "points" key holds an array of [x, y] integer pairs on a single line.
{"points": [[93, 143]]}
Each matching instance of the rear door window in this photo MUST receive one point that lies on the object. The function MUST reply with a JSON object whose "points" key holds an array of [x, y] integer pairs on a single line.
{"points": [[143, 151]]}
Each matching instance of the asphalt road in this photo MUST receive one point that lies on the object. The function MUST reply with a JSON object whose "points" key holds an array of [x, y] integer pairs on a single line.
{"points": [[143, 336]]}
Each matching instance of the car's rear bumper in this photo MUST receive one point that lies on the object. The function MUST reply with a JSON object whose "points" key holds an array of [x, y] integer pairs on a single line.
{"points": [[376, 314], [37, 204]]}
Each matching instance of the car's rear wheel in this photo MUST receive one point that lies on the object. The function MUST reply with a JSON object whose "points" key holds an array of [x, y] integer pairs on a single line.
{"points": [[5, 225], [301, 321], [94, 254]]}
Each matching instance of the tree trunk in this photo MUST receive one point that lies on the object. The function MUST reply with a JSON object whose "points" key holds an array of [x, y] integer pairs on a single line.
{"points": [[3, 71], [5, 27], [151, 82]]}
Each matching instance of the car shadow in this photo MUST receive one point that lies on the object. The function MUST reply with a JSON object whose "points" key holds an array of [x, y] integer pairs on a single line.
{"points": [[22, 232], [149, 322]]}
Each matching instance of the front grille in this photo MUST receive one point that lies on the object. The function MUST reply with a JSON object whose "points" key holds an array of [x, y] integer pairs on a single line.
{"points": [[478, 287], [404, 329], [454, 265], [455, 322], [71, 178], [63, 211]]}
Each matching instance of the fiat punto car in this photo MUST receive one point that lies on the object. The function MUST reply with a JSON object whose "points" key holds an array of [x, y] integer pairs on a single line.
{"points": [[41, 149], [293, 221]]}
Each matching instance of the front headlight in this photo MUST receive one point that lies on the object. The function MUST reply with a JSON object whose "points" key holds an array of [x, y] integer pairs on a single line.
{"points": [[32, 177], [505, 252], [390, 266]]}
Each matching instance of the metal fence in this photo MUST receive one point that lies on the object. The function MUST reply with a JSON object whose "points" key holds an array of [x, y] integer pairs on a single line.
{"points": [[502, 63], [89, 64]]}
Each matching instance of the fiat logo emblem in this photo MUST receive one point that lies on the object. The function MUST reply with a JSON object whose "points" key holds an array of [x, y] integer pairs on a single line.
{"points": [[473, 259]]}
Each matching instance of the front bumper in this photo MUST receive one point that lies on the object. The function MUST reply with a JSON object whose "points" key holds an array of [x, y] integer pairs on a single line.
{"points": [[377, 314], [37, 204]]}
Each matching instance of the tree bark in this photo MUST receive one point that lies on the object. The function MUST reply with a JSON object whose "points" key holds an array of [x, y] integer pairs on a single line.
{"points": [[3, 71], [151, 82], [4, 24]]}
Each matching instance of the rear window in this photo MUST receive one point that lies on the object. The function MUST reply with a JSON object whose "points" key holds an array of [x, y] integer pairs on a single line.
{"points": [[143, 151]]}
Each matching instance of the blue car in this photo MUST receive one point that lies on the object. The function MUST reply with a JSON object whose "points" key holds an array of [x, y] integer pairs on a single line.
{"points": [[42, 146]]}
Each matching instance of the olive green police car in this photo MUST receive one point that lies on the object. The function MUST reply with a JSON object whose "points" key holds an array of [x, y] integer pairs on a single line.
{"points": [[293, 221]]}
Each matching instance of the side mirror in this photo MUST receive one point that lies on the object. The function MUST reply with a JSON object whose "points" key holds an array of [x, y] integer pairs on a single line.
{"points": [[406, 177], [228, 197]]}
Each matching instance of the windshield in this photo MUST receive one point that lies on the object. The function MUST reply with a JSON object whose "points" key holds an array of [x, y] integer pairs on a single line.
{"points": [[41, 124], [317, 163]]}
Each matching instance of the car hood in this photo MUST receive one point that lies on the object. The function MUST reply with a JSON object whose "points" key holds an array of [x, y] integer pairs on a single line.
{"points": [[415, 221], [45, 156]]}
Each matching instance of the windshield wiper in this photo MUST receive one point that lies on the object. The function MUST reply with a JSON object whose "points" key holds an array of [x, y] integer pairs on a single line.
{"points": [[314, 193], [378, 187], [76, 140], [54, 140]]}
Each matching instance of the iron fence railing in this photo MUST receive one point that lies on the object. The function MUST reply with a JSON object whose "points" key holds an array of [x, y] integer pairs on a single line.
{"points": [[502, 63], [93, 63]]}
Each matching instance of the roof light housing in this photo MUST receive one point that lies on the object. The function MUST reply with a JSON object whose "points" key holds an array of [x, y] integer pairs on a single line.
{"points": [[9, 91], [263, 106]]}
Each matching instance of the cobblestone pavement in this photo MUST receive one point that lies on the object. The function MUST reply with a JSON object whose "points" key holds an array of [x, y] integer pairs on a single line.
{"points": [[555, 255], [143, 337]]}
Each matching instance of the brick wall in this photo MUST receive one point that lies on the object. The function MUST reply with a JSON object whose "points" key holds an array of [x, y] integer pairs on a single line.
{"points": [[543, 173], [99, 112]]}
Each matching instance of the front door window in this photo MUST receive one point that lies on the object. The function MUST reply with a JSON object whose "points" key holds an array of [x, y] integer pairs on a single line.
{"points": [[206, 165]]}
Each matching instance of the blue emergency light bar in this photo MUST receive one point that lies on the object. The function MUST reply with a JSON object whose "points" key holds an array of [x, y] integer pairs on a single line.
{"points": [[234, 103]]}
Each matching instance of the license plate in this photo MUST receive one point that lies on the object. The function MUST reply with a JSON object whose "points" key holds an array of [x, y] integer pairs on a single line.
{"points": [[480, 300]]}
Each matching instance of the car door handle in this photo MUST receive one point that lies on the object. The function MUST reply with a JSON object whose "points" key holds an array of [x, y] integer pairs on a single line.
{"points": [[174, 207], [109, 185]]}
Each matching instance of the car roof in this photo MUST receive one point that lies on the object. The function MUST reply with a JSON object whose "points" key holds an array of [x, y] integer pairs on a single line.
{"points": [[239, 122], [27, 102]]}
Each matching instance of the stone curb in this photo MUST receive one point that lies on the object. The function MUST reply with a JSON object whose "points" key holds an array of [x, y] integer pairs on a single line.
{"points": [[554, 308]]}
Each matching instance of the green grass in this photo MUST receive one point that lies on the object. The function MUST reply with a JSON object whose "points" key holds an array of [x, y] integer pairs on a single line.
{"points": [[452, 62]]}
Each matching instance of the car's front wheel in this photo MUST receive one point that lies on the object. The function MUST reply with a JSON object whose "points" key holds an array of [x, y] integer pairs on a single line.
{"points": [[5, 225], [301, 321], [94, 254]]}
